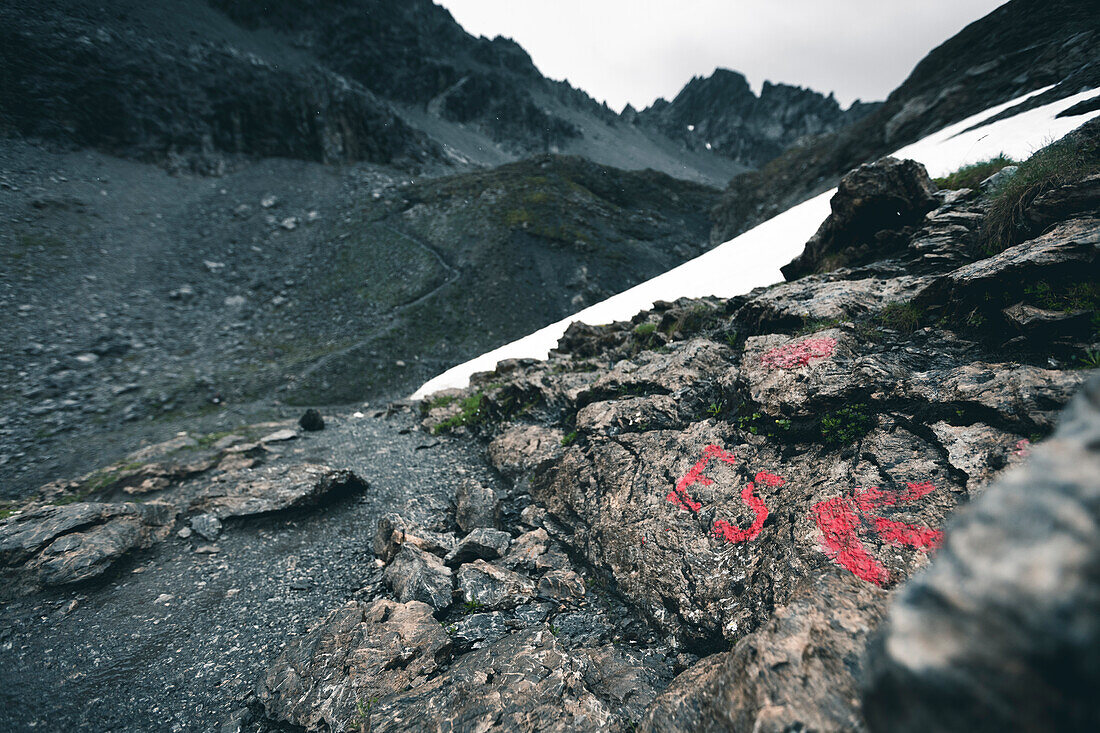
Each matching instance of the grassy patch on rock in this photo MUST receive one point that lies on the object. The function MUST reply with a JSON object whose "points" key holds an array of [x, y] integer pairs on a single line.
{"points": [[970, 176], [1066, 161], [474, 410], [846, 425]]}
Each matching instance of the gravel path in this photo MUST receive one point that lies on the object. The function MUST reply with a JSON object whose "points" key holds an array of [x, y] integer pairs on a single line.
{"points": [[176, 639]]}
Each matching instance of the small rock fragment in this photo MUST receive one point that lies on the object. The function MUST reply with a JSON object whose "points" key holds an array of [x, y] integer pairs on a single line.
{"points": [[476, 506], [279, 436], [487, 586], [483, 543], [207, 526], [311, 420]]}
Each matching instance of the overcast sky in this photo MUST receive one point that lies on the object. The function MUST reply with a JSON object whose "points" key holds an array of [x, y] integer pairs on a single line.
{"points": [[634, 51]]}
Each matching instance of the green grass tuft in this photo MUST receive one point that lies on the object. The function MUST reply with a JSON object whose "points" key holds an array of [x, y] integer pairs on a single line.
{"points": [[901, 317], [846, 425], [444, 400], [970, 176], [1090, 359], [474, 409], [1065, 161]]}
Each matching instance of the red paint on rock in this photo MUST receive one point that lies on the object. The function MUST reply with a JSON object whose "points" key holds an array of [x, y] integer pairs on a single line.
{"points": [[840, 519], [722, 528], [680, 495], [838, 525], [801, 353]]}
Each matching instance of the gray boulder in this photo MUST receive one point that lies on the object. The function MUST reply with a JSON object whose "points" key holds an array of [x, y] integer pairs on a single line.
{"points": [[59, 545], [416, 575], [275, 488], [871, 209], [489, 587], [484, 543], [206, 526], [311, 421], [476, 506], [1003, 630]]}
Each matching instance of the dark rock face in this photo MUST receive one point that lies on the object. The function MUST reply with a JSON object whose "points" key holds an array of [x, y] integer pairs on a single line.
{"points": [[720, 112], [80, 77], [1018, 291], [415, 53], [1021, 46], [1003, 630], [1055, 205], [799, 672], [58, 545], [873, 206]]}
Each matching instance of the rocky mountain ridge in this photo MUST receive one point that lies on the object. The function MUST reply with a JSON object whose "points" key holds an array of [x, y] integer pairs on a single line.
{"points": [[355, 80], [721, 113], [698, 519]]}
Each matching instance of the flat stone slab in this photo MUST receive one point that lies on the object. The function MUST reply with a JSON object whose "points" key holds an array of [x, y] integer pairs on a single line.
{"points": [[275, 488]]}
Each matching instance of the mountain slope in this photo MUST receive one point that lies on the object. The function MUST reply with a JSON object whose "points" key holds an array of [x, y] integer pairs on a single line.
{"points": [[127, 81], [201, 85], [1022, 46], [135, 300]]}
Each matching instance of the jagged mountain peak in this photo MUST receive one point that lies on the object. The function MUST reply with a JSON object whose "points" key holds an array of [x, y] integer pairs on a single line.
{"points": [[721, 113]]}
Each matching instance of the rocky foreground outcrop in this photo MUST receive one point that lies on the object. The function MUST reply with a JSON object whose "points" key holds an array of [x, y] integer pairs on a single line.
{"points": [[712, 508], [1016, 581]]}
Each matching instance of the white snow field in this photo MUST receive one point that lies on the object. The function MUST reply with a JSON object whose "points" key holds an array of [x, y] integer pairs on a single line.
{"points": [[753, 259]]}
